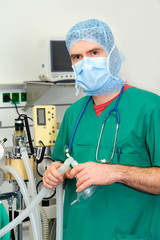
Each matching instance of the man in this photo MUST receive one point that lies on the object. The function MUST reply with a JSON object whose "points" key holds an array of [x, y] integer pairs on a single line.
{"points": [[116, 143]]}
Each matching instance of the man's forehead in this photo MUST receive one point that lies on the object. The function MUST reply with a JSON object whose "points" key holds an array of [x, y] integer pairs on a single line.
{"points": [[82, 45]]}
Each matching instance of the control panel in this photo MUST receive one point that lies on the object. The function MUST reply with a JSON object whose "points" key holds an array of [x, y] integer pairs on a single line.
{"points": [[44, 124]]}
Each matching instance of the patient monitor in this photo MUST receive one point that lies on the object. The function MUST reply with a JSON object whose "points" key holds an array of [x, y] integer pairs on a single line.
{"points": [[57, 63]]}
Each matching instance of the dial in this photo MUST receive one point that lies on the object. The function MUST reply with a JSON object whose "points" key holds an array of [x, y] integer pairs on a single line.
{"points": [[42, 166], [50, 193]]}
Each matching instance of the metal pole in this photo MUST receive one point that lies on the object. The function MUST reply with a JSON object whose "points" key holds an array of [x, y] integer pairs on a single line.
{"points": [[19, 207]]}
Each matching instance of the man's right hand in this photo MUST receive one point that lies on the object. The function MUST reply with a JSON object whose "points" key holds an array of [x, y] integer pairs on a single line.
{"points": [[52, 178]]}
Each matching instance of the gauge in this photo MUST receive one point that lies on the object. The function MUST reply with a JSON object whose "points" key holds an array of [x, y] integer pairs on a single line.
{"points": [[49, 194], [42, 166]]}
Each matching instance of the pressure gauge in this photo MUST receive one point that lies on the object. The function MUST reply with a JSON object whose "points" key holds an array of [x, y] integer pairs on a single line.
{"points": [[49, 194], [42, 166]]}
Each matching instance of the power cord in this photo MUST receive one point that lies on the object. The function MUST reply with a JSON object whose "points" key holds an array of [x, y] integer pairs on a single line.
{"points": [[7, 98], [25, 118]]}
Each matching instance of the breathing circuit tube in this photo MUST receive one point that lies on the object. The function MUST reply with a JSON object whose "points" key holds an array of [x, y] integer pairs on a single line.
{"points": [[45, 226], [32, 185], [59, 212], [63, 168], [25, 194], [25, 213]]}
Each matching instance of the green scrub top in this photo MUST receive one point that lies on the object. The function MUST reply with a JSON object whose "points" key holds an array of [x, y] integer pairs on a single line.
{"points": [[116, 211], [4, 220]]}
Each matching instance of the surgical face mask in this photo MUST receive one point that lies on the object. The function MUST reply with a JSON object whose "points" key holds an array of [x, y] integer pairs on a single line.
{"points": [[93, 75]]}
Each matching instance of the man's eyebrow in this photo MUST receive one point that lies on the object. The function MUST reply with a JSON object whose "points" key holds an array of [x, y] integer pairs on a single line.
{"points": [[74, 54], [94, 49], [91, 50]]}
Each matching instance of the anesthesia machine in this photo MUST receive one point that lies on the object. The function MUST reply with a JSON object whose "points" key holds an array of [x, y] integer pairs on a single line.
{"points": [[19, 169], [24, 169]]}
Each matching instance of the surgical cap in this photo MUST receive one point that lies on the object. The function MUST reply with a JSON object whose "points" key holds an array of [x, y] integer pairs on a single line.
{"points": [[96, 31]]}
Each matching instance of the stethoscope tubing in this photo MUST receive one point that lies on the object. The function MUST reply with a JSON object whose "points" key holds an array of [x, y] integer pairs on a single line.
{"points": [[80, 116], [112, 110], [103, 124]]}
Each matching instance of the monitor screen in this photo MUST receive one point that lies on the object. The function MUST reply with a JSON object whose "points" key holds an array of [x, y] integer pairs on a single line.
{"points": [[60, 59], [41, 119]]}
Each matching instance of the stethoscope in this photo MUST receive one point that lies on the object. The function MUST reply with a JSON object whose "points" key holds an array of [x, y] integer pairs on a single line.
{"points": [[67, 148]]}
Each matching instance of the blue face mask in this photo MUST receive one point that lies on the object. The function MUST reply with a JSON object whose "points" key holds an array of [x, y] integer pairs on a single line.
{"points": [[93, 75]]}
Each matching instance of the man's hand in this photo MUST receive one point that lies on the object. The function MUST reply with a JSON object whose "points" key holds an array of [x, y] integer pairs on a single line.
{"points": [[140, 178], [92, 173], [52, 178]]}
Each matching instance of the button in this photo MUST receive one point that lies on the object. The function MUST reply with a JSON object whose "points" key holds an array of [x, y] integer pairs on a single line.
{"points": [[54, 76]]}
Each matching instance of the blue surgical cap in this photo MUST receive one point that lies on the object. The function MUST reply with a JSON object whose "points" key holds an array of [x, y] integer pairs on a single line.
{"points": [[96, 31]]}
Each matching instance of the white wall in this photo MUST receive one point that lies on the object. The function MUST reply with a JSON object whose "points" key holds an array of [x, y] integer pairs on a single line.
{"points": [[25, 24]]}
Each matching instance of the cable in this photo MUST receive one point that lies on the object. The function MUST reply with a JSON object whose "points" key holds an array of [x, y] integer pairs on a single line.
{"points": [[29, 135], [25, 117], [7, 98], [40, 159]]}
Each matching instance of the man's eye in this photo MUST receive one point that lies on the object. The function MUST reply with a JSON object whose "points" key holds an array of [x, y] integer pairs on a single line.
{"points": [[77, 57], [94, 53]]}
